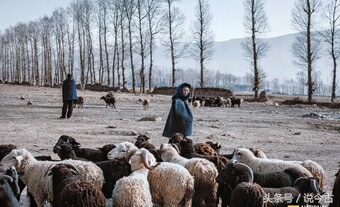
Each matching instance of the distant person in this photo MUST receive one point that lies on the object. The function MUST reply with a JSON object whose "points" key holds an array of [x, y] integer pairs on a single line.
{"points": [[180, 118], [69, 96], [109, 95]]}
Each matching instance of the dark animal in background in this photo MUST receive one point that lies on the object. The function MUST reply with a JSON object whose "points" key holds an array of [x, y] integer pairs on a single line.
{"points": [[109, 101], [236, 101], [146, 104], [79, 102], [208, 102]]}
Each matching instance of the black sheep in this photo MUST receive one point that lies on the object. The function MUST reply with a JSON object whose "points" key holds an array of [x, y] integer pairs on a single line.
{"points": [[94, 155], [68, 190], [113, 170]]}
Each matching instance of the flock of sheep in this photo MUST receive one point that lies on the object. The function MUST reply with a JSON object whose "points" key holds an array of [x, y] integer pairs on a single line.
{"points": [[177, 173], [217, 101]]}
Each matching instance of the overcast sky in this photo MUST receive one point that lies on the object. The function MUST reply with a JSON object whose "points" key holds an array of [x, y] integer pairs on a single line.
{"points": [[226, 24]]}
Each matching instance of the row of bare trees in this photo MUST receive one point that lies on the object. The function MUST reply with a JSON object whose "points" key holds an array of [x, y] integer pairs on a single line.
{"points": [[306, 48], [113, 42], [103, 41]]}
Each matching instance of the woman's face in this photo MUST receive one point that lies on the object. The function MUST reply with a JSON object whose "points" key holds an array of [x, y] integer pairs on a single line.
{"points": [[185, 91]]}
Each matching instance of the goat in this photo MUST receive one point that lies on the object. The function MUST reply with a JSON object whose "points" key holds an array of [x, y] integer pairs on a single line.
{"points": [[109, 101]]}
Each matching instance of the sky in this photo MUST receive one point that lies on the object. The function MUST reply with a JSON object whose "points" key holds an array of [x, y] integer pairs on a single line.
{"points": [[227, 22]]}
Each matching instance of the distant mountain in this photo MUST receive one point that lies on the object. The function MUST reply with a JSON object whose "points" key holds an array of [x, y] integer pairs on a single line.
{"points": [[278, 63]]}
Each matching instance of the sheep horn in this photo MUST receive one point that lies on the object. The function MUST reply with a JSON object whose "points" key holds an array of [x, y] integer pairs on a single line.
{"points": [[299, 180], [315, 187], [145, 161], [73, 169], [247, 170], [3, 176], [176, 147], [48, 170]]}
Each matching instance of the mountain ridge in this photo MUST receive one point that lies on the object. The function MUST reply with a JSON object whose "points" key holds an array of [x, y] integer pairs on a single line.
{"points": [[278, 62]]}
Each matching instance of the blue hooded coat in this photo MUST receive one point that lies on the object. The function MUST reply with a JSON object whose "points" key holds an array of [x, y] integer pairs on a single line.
{"points": [[180, 118], [69, 90]]}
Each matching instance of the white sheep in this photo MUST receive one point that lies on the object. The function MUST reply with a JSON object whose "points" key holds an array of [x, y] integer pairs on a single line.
{"points": [[134, 190], [245, 156], [226, 102], [170, 184], [314, 168], [196, 104], [32, 171], [204, 173]]}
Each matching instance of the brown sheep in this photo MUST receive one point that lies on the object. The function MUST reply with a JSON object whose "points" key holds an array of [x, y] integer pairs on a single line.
{"points": [[79, 102]]}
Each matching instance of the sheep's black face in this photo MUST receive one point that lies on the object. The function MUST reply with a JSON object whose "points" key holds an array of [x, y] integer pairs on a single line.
{"points": [[64, 139]]}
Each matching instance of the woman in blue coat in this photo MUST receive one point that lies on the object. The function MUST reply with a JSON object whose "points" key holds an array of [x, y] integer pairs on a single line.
{"points": [[69, 96], [180, 118]]}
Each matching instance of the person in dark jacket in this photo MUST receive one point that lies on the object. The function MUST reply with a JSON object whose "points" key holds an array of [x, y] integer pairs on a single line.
{"points": [[180, 118], [69, 96]]}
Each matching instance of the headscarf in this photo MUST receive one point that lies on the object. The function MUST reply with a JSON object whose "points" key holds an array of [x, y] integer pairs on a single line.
{"points": [[179, 93]]}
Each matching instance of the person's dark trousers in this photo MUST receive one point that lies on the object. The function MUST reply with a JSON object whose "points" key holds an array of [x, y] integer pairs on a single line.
{"points": [[67, 107]]}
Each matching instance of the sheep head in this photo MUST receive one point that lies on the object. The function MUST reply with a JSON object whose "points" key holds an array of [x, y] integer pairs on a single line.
{"points": [[141, 158], [243, 155], [140, 140], [121, 150], [18, 158], [168, 151], [235, 173], [176, 138], [63, 140], [308, 185]]}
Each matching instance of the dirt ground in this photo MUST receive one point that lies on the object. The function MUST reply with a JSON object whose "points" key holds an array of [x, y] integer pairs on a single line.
{"points": [[281, 132]]}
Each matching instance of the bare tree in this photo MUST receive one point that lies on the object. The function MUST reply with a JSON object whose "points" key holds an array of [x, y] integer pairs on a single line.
{"points": [[60, 28], [175, 45], [255, 24], [155, 25], [115, 19], [331, 36], [142, 10], [129, 7], [306, 48], [203, 39]]}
